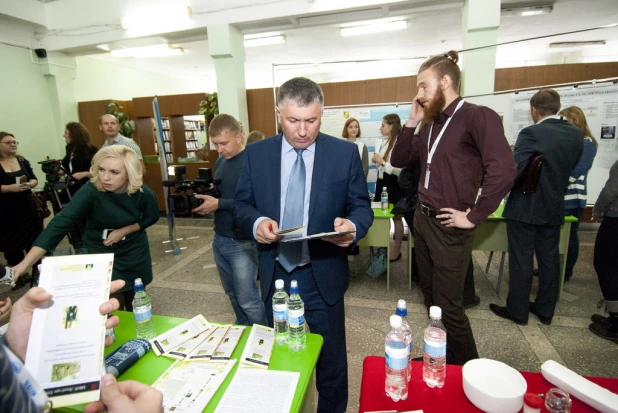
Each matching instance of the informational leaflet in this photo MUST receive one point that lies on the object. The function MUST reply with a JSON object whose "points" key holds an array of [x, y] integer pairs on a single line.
{"points": [[183, 350], [245, 394], [226, 347], [67, 336], [206, 349], [187, 387], [259, 347], [178, 335]]}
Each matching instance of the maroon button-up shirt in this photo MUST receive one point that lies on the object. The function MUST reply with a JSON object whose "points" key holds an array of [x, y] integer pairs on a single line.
{"points": [[472, 150]]}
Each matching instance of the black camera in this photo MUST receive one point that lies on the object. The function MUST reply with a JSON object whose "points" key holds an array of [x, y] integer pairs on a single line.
{"points": [[51, 168], [183, 200]]}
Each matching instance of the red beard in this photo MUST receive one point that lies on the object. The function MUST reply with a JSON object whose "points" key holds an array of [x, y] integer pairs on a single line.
{"points": [[433, 108]]}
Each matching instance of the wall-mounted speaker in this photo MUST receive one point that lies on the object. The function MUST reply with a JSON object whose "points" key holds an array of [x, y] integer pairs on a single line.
{"points": [[41, 53]]}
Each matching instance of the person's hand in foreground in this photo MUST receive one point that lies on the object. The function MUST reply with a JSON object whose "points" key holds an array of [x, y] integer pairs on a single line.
{"points": [[126, 397], [18, 332]]}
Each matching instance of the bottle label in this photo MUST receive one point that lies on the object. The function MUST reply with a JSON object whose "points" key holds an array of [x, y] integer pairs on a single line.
{"points": [[396, 358], [280, 312], [434, 350], [296, 318], [141, 316]]}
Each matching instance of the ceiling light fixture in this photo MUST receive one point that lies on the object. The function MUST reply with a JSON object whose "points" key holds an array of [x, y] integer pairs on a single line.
{"points": [[159, 50], [374, 28], [526, 11], [263, 41], [157, 16]]}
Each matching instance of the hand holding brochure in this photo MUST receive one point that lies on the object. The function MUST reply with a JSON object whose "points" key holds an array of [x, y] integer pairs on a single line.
{"points": [[67, 335]]}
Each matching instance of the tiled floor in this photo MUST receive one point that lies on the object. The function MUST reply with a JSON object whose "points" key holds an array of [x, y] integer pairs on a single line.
{"points": [[188, 284]]}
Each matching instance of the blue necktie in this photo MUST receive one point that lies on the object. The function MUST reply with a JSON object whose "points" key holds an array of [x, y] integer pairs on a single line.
{"points": [[290, 252]]}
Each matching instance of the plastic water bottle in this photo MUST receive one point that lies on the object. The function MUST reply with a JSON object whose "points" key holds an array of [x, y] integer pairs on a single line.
{"points": [[280, 313], [296, 319], [434, 350], [142, 312], [384, 200], [402, 311], [396, 353]]}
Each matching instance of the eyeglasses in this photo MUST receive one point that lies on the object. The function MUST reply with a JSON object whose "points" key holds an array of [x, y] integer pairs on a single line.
{"points": [[11, 143]]}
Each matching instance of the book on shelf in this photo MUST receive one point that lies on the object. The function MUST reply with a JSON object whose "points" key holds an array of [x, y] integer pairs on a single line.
{"points": [[165, 123], [192, 124]]}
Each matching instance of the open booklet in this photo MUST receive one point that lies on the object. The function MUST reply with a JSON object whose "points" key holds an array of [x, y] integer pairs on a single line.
{"points": [[67, 335], [313, 236]]}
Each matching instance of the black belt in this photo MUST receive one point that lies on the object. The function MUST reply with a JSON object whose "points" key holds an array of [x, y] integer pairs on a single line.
{"points": [[300, 267], [428, 210]]}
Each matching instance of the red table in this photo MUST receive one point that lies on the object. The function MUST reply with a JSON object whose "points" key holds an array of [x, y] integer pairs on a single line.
{"points": [[450, 398]]}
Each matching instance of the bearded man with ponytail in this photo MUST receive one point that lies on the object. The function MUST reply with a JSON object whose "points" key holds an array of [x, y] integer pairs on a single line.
{"points": [[459, 145]]}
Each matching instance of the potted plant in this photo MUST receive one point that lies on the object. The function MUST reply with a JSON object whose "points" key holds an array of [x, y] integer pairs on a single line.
{"points": [[209, 107], [126, 128]]}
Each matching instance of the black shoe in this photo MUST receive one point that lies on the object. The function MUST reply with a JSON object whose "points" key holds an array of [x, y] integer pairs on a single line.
{"points": [[544, 320], [417, 358], [603, 332], [600, 320], [396, 259], [476, 301], [504, 313]]}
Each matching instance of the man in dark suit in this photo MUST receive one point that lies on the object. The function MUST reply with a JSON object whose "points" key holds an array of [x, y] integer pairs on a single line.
{"points": [[534, 219], [303, 177]]}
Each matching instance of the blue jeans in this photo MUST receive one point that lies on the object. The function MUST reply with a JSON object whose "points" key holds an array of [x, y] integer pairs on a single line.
{"points": [[237, 265]]}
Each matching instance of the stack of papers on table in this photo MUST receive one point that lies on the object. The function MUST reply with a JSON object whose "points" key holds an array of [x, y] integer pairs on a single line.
{"points": [[259, 347]]}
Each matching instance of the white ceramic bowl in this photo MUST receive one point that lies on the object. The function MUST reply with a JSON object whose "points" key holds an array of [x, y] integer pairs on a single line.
{"points": [[493, 387]]}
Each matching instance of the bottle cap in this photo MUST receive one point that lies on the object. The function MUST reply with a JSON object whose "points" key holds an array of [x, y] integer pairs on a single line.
{"points": [[279, 284], [435, 312], [533, 400], [384, 188], [293, 283], [139, 285], [395, 321], [402, 310]]}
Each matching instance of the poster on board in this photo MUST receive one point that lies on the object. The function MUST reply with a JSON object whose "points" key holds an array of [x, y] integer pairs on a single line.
{"points": [[369, 119]]}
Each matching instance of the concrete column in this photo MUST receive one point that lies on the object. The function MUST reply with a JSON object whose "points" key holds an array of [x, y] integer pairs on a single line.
{"points": [[226, 45], [480, 22], [60, 72]]}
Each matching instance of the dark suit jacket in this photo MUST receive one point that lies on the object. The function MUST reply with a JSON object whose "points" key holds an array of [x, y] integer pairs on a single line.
{"points": [[561, 144], [338, 189]]}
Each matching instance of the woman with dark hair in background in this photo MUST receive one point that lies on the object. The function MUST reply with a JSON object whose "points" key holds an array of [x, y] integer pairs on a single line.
{"points": [[19, 220], [575, 196], [79, 153], [351, 131], [388, 175]]}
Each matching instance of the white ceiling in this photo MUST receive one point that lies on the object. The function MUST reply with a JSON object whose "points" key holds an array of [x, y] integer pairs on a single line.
{"points": [[429, 32]]}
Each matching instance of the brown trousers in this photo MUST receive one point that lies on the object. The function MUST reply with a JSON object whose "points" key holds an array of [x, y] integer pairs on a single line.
{"points": [[443, 255]]}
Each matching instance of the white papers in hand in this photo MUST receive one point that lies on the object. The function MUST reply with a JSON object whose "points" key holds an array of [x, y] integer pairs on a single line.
{"points": [[248, 389], [588, 392]]}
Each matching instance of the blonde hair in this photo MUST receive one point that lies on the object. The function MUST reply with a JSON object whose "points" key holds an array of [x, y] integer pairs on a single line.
{"points": [[131, 164], [577, 117]]}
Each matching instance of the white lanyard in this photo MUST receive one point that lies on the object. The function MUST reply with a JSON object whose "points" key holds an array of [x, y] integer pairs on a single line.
{"points": [[435, 145]]}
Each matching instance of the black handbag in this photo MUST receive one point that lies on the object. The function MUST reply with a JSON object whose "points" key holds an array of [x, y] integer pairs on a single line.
{"points": [[528, 182]]}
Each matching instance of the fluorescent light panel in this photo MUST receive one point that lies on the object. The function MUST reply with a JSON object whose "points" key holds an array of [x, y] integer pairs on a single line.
{"points": [[374, 28], [156, 16], [263, 41], [159, 50], [526, 11]]}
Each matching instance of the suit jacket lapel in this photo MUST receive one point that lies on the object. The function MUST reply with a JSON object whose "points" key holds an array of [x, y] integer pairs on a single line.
{"points": [[319, 164]]}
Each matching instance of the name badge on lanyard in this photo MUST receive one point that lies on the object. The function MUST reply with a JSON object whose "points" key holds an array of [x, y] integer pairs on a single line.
{"points": [[435, 145]]}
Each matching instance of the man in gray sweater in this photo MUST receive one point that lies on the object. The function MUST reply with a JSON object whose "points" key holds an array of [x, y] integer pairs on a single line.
{"points": [[236, 253]]}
